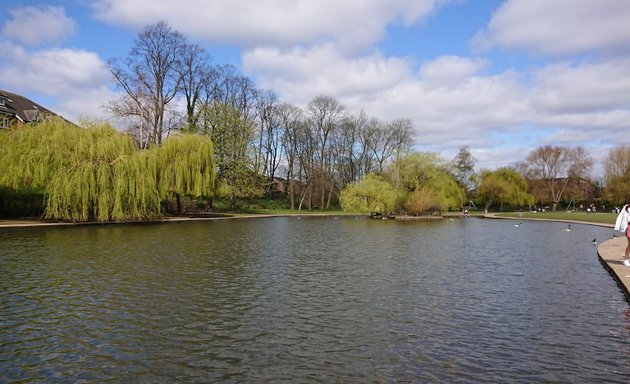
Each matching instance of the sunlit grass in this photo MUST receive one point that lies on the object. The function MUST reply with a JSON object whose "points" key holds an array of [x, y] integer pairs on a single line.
{"points": [[599, 218], [297, 212]]}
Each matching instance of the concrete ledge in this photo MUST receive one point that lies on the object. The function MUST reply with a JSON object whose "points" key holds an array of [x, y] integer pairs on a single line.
{"points": [[610, 254]]}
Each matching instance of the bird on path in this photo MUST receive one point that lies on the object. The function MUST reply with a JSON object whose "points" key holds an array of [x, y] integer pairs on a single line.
{"points": [[567, 229]]}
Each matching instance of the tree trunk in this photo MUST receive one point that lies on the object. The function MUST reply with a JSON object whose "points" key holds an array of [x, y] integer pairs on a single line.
{"points": [[291, 197], [330, 192], [178, 199], [302, 199]]}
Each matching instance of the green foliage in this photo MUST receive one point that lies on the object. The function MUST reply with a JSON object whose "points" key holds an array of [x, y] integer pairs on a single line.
{"points": [[372, 194], [464, 166], [419, 201], [505, 186], [184, 165], [231, 134], [618, 189], [99, 173], [427, 173]]}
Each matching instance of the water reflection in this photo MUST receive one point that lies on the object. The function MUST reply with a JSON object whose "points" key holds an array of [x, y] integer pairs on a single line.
{"points": [[310, 300]]}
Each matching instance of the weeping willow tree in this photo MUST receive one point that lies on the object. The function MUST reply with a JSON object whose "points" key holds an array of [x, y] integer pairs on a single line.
{"points": [[184, 166], [99, 173], [371, 194], [430, 185]]}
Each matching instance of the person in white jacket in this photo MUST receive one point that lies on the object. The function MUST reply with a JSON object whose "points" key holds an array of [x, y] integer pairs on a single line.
{"points": [[622, 225]]}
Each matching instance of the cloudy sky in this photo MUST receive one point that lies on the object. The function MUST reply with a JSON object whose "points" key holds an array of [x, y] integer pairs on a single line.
{"points": [[502, 77]]}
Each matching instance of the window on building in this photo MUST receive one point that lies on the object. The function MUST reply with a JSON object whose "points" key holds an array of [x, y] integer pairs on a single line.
{"points": [[2, 101], [4, 121]]}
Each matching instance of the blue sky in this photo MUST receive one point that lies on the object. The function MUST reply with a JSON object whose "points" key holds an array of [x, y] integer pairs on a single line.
{"points": [[501, 76]]}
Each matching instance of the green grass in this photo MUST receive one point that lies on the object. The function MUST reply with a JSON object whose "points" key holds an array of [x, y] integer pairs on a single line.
{"points": [[599, 218], [281, 211]]}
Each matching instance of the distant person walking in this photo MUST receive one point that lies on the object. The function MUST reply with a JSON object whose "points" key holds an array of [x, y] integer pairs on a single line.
{"points": [[622, 225]]}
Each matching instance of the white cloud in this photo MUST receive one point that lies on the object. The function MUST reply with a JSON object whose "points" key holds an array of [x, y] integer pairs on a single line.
{"points": [[301, 74], [54, 71], [77, 78], [448, 99], [88, 104], [559, 27], [582, 87], [35, 26], [450, 70], [350, 24]]}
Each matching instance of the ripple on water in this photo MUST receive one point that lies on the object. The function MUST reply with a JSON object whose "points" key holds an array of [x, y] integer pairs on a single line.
{"points": [[311, 300]]}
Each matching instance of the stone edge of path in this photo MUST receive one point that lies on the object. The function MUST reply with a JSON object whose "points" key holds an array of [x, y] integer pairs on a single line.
{"points": [[610, 253]]}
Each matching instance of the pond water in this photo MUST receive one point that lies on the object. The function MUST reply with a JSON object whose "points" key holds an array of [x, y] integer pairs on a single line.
{"points": [[307, 300]]}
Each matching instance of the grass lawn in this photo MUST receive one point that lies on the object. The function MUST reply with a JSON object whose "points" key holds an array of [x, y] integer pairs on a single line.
{"points": [[599, 218], [261, 211]]}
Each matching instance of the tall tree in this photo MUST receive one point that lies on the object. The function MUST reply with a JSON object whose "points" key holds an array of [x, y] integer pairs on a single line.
{"points": [[555, 167], [617, 162], [464, 166], [617, 174], [231, 134], [195, 71], [150, 76], [325, 114], [291, 122], [267, 147], [387, 139]]}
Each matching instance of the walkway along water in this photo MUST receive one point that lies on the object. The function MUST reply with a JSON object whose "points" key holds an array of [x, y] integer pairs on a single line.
{"points": [[610, 253]]}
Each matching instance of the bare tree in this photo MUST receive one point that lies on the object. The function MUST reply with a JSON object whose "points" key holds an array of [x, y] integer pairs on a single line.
{"points": [[617, 163], [351, 148], [150, 75], [291, 120], [267, 150], [325, 114], [617, 174], [195, 72], [556, 167], [387, 139]]}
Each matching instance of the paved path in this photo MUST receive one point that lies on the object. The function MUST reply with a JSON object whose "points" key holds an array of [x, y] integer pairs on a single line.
{"points": [[610, 253]]}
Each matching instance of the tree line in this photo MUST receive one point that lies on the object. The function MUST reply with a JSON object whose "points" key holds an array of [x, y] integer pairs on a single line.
{"points": [[171, 85], [204, 131]]}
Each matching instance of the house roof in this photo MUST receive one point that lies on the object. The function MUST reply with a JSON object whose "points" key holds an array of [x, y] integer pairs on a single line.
{"points": [[22, 108]]}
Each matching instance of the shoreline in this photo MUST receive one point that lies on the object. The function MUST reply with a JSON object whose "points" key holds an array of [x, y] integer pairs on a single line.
{"points": [[25, 223], [494, 216]]}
